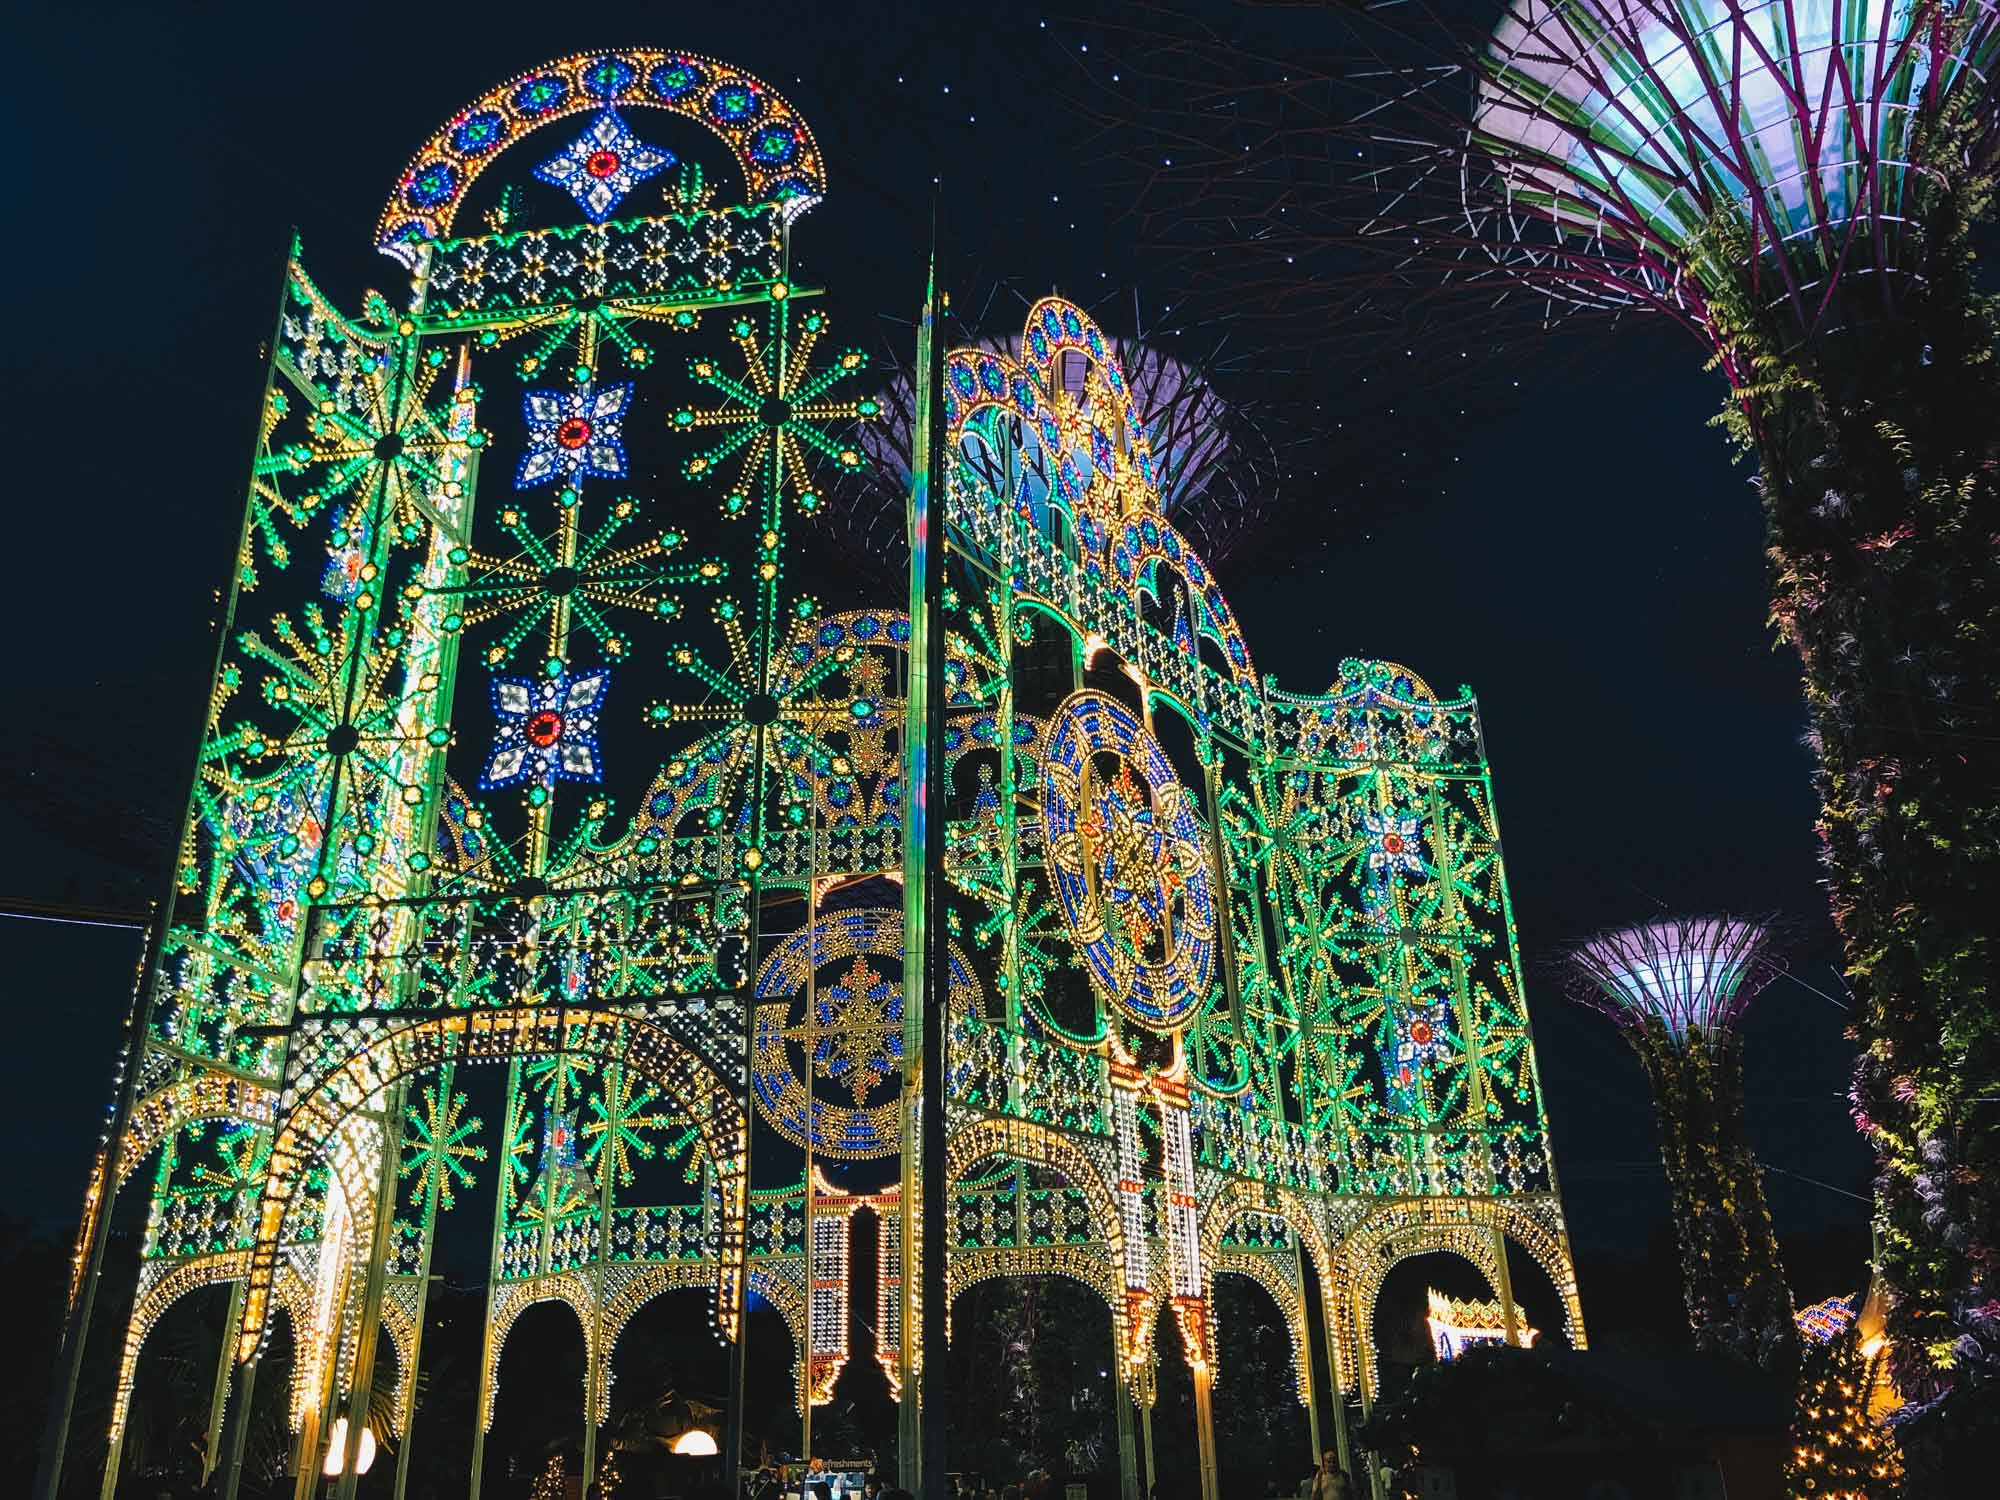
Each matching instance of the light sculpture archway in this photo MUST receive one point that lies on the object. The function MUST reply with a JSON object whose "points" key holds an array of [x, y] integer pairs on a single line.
{"points": [[1219, 956]]}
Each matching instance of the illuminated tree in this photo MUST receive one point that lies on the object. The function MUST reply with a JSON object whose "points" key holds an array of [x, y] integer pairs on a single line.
{"points": [[1677, 990], [1839, 1451], [1796, 184]]}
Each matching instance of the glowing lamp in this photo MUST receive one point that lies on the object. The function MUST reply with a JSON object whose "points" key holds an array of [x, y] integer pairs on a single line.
{"points": [[696, 1442], [336, 1450]]}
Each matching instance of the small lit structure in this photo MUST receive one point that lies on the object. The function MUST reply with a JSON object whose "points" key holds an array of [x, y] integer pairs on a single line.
{"points": [[1825, 1321], [1456, 1326]]}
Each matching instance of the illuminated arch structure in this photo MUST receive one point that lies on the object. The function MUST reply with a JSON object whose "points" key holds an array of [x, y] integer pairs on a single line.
{"points": [[1232, 983]]}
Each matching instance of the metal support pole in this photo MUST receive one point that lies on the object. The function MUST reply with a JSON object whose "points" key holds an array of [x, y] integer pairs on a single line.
{"points": [[811, 1049], [1306, 1382], [237, 1428], [1204, 1430], [1367, 1410], [100, 1198], [1147, 1391], [502, 1187], [1128, 1454], [739, 1349], [218, 1396], [409, 1426], [114, 1456], [368, 1332], [1503, 1280], [1340, 1441], [924, 963], [306, 1450]]}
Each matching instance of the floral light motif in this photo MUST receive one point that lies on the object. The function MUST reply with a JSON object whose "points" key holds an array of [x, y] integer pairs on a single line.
{"points": [[573, 435], [547, 730], [1127, 859], [1122, 837], [603, 164]]}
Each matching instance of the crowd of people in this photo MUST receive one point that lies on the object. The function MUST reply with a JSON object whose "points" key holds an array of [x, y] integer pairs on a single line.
{"points": [[1327, 1482]]}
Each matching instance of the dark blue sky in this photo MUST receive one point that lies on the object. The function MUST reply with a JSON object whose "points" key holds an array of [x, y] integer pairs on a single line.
{"points": [[1560, 530]]}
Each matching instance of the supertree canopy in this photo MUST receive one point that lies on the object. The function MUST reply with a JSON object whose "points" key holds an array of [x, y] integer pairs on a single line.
{"points": [[1216, 466], [1694, 977], [1621, 141], [1677, 989]]}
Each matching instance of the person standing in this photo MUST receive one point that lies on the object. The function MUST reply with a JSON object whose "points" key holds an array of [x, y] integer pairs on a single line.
{"points": [[1328, 1481]]}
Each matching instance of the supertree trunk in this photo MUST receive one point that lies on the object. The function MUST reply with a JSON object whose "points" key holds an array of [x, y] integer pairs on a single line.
{"points": [[1737, 1299], [1877, 453]]}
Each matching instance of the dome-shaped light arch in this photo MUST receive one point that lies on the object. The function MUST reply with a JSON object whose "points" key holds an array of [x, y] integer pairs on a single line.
{"points": [[772, 144]]}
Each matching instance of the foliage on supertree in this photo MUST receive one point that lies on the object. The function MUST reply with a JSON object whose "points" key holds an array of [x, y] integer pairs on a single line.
{"points": [[1838, 1451], [1218, 468], [1799, 186], [1677, 989]]}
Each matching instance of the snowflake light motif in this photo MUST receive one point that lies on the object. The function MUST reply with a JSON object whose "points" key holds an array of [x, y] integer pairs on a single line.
{"points": [[776, 415], [638, 1113], [573, 435], [824, 747], [602, 165], [547, 730], [1395, 844], [404, 439], [856, 1036], [342, 732], [437, 1144], [605, 573]]}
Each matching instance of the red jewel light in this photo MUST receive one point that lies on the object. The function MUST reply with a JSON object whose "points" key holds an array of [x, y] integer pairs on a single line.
{"points": [[545, 728], [573, 433], [601, 163], [1392, 843], [1421, 1033]]}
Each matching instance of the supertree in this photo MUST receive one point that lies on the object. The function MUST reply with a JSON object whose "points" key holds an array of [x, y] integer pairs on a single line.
{"points": [[1798, 184], [1677, 989], [1220, 471]]}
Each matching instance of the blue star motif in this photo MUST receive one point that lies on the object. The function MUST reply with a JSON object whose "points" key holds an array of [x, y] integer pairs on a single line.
{"points": [[602, 165], [574, 434], [547, 730]]}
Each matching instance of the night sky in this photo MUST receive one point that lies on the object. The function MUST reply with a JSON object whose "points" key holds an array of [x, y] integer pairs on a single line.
{"points": [[1559, 530]]}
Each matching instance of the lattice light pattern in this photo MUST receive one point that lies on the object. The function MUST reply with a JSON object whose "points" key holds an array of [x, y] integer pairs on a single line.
{"points": [[1214, 951]]}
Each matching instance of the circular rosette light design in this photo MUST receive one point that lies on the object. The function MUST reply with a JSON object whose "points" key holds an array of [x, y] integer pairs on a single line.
{"points": [[1130, 867], [833, 994]]}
